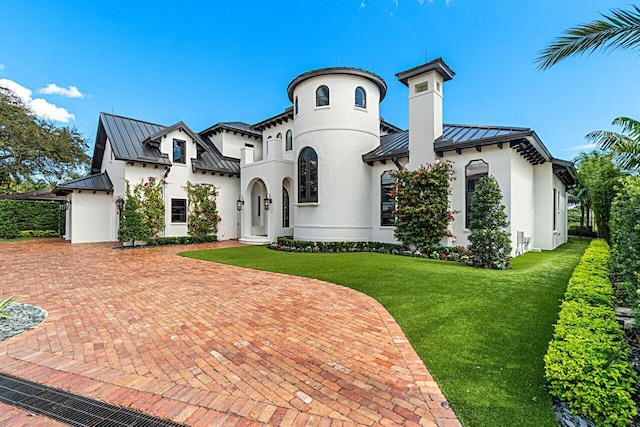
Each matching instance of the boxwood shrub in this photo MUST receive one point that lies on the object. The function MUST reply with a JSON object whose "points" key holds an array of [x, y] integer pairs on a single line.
{"points": [[180, 240], [587, 363], [444, 253]]}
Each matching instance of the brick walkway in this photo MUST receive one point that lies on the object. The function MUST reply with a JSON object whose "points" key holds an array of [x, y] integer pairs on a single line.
{"points": [[208, 344]]}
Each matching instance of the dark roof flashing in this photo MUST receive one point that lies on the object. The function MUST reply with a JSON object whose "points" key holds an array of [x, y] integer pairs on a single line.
{"points": [[374, 78], [437, 64]]}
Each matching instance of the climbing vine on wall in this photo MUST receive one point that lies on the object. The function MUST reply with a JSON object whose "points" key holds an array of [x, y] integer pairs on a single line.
{"points": [[422, 213], [150, 195], [202, 216]]}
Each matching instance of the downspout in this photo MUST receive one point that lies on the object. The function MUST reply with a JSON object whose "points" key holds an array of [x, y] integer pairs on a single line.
{"points": [[397, 163]]}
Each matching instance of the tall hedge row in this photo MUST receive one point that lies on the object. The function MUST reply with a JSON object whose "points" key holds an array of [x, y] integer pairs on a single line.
{"points": [[587, 364], [21, 215]]}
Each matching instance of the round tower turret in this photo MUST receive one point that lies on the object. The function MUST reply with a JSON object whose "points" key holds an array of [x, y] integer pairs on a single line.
{"points": [[336, 121]]}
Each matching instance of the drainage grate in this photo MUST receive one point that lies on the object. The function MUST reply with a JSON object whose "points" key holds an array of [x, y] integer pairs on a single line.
{"points": [[70, 408]]}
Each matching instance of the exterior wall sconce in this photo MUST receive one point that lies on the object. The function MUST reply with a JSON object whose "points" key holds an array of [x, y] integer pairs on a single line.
{"points": [[267, 201], [64, 205], [120, 206], [239, 203]]}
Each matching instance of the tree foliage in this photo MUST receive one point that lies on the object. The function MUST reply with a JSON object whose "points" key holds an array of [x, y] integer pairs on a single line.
{"points": [[422, 214], [624, 146], [600, 176], [202, 218], [33, 150], [619, 30], [625, 240], [489, 241]]}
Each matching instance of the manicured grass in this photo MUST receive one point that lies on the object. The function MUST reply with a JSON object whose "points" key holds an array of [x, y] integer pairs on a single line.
{"points": [[482, 334]]}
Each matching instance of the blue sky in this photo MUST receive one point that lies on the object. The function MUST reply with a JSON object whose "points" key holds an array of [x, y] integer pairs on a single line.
{"points": [[206, 61]]}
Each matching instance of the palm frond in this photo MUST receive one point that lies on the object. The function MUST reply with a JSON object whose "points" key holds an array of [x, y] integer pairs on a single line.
{"points": [[625, 149], [4, 304], [620, 30]]}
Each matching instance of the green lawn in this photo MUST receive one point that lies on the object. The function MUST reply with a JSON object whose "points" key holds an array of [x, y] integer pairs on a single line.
{"points": [[482, 334]]}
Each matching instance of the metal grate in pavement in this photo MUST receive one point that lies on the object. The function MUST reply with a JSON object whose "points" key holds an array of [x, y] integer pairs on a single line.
{"points": [[73, 409]]}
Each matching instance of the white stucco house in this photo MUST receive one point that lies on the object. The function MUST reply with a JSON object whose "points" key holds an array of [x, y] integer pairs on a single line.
{"points": [[320, 170]]}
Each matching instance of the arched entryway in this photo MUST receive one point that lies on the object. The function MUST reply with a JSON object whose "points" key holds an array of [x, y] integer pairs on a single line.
{"points": [[258, 214]]}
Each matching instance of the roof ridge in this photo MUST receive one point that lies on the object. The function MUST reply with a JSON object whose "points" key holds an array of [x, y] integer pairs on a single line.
{"points": [[487, 126], [132, 119]]}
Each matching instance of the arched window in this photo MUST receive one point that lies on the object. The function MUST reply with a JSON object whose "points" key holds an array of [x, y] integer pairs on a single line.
{"points": [[475, 170], [386, 201], [361, 97], [279, 136], [322, 96], [289, 143], [285, 207], [296, 105], [308, 176]]}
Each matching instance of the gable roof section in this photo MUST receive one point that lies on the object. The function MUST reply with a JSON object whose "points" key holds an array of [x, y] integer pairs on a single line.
{"points": [[136, 140], [126, 136], [211, 160], [97, 182], [242, 128]]}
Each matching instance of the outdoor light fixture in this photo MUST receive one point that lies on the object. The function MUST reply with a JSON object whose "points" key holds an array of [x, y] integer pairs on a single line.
{"points": [[267, 201], [120, 206], [239, 203], [64, 205]]}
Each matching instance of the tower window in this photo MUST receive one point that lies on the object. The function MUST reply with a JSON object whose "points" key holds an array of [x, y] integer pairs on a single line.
{"points": [[296, 106], [422, 87], [308, 176], [361, 98], [289, 143], [322, 96], [279, 136]]}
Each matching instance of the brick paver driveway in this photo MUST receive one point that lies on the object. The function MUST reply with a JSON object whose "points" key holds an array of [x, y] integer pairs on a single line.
{"points": [[209, 344]]}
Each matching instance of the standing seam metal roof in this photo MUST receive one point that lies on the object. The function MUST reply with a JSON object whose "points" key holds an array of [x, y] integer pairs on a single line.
{"points": [[99, 182]]}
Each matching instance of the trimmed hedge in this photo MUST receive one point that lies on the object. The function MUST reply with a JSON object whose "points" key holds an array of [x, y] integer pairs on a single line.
{"points": [[587, 363], [181, 240], [22, 215], [444, 253], [576, 230]]}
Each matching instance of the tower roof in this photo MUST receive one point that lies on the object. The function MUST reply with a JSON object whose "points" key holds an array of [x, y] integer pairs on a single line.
{"points": [[437, 65], [374, 78]]}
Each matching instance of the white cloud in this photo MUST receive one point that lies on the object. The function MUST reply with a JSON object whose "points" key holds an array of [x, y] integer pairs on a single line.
{"points": [[54, 89], [41, 107], [580, 147], [363, 5], [1, 66]]}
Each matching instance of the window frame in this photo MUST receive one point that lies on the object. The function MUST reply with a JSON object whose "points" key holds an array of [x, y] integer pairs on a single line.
{"points": [[296, 106], [386, 216], [556, 203], [321, 97], [305, 177], [182, 147], [181, 214], [468, 179], [288, 141], [363, 97], [286, 207]]}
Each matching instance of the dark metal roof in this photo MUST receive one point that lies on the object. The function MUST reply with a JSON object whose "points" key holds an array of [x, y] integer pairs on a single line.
{"points": [[98, 182], [458, 137], [235, 127], [566, 172], [374, 78], [136, 140], [46, 195], [388, 127], [211, 160], [437, 64], [391, 145], [275, 120]]}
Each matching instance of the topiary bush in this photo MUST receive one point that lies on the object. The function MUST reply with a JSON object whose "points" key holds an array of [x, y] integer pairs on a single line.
{"points": [[587, 363], [489, 241]]}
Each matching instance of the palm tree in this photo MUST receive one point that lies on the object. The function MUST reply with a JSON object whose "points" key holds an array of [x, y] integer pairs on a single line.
{"points": [[624, 146], [620, 30]]}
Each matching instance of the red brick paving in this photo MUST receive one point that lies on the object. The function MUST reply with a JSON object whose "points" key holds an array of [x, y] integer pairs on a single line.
{"points": [[207, 344]]}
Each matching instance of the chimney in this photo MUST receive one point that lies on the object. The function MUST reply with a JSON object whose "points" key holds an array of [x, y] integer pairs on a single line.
{"points": [[425, 108]]}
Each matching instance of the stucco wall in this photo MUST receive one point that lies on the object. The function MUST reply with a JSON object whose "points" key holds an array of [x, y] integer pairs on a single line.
{"points": [[92, 217], [339, 133]]}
